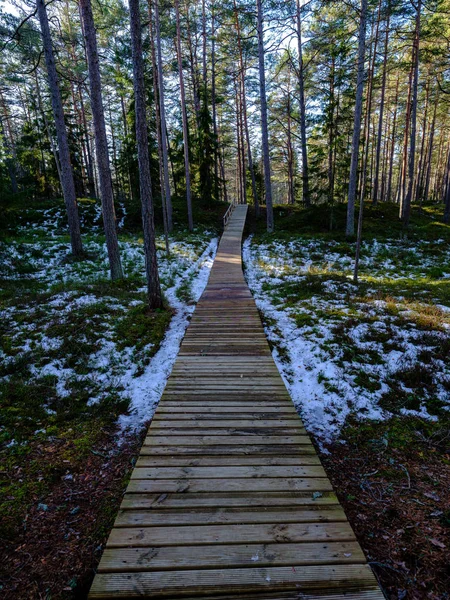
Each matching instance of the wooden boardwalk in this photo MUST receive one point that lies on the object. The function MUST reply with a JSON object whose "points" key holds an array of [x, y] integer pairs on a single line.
{"points": [[228, 498]]}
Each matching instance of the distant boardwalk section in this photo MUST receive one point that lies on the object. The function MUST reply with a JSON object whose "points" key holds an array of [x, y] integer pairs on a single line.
{"points": [[228, 498]]}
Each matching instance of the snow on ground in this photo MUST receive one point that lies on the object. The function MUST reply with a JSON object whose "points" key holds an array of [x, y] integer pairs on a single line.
{"points": [[368, 351], [67, 330], [145, 391]]}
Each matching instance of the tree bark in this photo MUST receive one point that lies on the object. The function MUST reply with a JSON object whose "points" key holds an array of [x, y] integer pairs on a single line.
{"points": [[213, 102], [357, 121], [162, 115], [412, 144], [11, 161], [430, 151], [101, 141], [264, 125], [158, 126], [302, 106], [244, 111], [381, 115], [151, 264], [67, 182], [362, 191], [184, 119]]}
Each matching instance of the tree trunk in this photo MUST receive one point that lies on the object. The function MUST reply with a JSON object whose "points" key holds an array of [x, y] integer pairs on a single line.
{"points": [[357, 121], [101, 141], [331, 136], [430, 151], [412, 145], [162, 114], [362, 192], [418, 178], [381, 115], [264, 125], [447, 193], [391, 156], [47, 129], [151, 265], [11, 162], [302, 106], [184, 119], [158, 127], [213, 103], [67, 180], [244, 110]]}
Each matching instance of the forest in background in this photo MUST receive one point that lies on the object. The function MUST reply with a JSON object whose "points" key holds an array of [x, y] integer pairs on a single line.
{"points": [[113, 115], [304, 60]]}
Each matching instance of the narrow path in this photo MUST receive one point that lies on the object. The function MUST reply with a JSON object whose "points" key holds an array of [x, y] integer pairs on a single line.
{"points": [[228, 498]]}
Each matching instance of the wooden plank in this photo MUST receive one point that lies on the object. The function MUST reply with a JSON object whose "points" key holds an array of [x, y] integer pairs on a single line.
{"points": [[151, 518], [226, 440], [367, 594], [219, 472], [228, 450], [229, 556], [216, 499], [235, 534], [194, 422], [168, 406], [166, 583], [272, 484], [224, 461]]}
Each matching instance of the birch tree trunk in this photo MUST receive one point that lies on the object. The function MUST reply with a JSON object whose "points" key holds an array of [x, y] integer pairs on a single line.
{"points": [[184, 119], [264, 125], [350, 229], [67, 180], [151, 265], [101, 141]]}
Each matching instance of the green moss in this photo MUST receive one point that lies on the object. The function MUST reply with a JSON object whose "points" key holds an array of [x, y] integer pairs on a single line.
{"points": [[141, 327]]}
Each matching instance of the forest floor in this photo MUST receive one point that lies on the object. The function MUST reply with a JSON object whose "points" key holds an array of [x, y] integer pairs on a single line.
{"points": [[83, 364], [368, 369]]}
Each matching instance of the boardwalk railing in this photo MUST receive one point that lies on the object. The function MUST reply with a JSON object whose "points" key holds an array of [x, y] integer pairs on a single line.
{"points": [[227, 215]]}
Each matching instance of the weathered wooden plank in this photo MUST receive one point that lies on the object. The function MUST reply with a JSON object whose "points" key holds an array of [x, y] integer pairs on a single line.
{"points": [[226, 500], [151, 518], [226, 440], [232, 407], [273, 484], [367, 594], [228, 450], [229, 556], [194, 422], [219, 472], [300, 579], [235, 534], [224, 461]]}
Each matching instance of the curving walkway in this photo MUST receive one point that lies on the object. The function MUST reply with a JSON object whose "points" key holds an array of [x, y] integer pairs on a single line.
{"points": [[228, 498]]}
